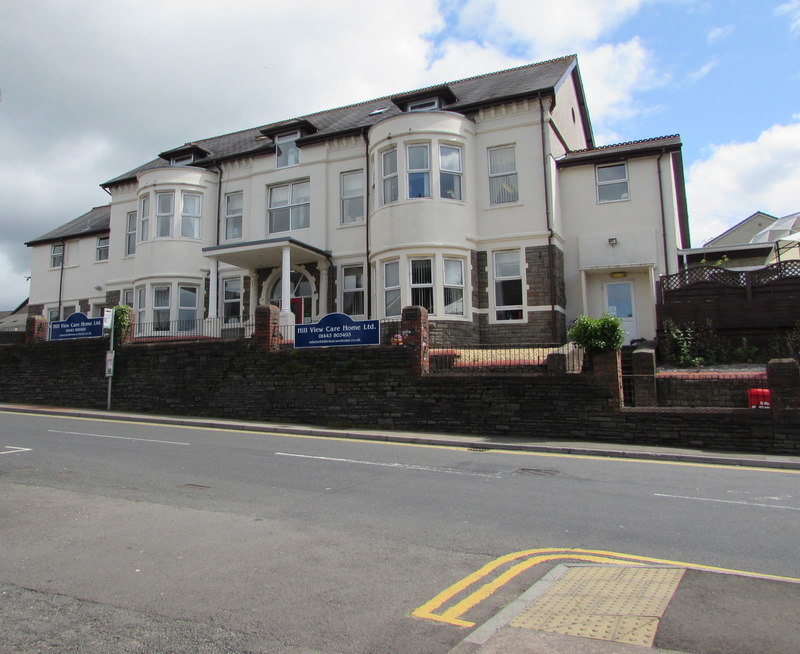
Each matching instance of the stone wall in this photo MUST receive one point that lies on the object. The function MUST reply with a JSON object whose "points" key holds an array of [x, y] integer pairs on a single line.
{"points": [[372, 387]]}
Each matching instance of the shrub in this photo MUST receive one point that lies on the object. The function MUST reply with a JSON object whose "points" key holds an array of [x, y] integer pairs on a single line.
{"points": [[603, 334], [122, 322]]}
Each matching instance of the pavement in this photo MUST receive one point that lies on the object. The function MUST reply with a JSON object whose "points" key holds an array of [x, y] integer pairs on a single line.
{"points": [[625, 606]]}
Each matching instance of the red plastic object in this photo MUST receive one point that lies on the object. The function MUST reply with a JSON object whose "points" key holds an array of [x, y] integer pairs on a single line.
{"points": [[758, 398]]}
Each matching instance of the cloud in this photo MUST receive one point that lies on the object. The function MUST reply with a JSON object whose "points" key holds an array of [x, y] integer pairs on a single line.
{"points": [[719, 33], [738, 179], [792, 10], [701, 72]]}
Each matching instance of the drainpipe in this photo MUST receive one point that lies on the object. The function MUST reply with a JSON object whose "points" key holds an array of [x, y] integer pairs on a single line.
{"points": [[663, 211], [213, 274], [61, 277], [548, 220], [368, 271]]}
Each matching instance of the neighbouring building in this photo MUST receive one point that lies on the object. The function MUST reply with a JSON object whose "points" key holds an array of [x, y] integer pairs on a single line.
{"points": [[484, 200]]}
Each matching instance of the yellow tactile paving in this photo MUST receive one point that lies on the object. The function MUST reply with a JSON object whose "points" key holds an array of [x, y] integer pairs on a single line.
{"points": [[617, 603]]}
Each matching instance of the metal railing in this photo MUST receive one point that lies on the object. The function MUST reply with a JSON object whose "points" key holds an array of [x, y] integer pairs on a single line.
{"points": [[191, 330]]}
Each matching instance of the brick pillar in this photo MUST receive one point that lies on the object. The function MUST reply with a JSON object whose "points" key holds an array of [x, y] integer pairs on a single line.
{"points": [[414, 325], [644, 377], [267, 332], [783, 378], [608, 376], [35, 329]]}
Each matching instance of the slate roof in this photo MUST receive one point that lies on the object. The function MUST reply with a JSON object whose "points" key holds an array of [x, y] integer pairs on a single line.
{"points": [[96, 221], [621, 150], [469, 94]]}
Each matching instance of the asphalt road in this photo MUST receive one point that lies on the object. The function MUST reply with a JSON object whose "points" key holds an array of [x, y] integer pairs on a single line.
{"points": [[137, 537]]}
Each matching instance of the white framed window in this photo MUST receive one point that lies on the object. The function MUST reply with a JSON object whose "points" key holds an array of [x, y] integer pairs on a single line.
{"points": [[144, 218], [389, 176], [353, 290], [161, 304], [165, 207], [503, 185], [612, 183], [289, 207], [286, 151], [192, 207], [130, 233], [56, 255], [391, 288], [182, 160], [422, 283], [419, 171], [234, 209], [231, 300], [101, 251], [141, 307], [52, 315], [187, 307], [450, 172], [423, 105], [127, 297], [454, 287], [508, 299], [352, 197]]}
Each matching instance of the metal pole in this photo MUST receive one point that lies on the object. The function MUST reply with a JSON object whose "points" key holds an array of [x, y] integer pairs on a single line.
{"points": [[110, 361]]}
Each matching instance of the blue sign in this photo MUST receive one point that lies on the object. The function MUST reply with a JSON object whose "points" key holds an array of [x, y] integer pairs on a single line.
{"points": [[338, 329], [78, 325]]}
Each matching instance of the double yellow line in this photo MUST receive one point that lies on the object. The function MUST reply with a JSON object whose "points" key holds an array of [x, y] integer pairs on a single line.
{"points": [[527, 559]]}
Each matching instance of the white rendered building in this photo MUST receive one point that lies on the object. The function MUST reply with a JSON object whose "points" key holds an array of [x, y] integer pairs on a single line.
{"points": [[483, 200]]}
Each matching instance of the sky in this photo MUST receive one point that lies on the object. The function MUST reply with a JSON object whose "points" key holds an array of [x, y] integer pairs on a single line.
{"points": [[92, 89]]}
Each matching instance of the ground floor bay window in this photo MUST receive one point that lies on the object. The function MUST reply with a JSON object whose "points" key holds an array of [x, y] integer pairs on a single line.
{"points": [[437, 282]]}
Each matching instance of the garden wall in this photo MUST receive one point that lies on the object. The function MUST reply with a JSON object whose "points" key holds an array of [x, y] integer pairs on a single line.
{"points": [[369, 387]]}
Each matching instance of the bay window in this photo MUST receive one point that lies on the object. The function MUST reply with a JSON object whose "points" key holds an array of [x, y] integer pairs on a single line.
{"points": [[187, 307], [422, 283], [289, 207], [161, 308], [391, 286], [165, 205], [508, 285], [190, 215], [130, 234], [419, 173], [450, 172], [144, 218], [389, 176]]}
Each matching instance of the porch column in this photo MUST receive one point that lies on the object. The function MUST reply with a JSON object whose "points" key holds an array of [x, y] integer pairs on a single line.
{"points": [[253, 274], [213, 290], [287, 317], [324, 266]]}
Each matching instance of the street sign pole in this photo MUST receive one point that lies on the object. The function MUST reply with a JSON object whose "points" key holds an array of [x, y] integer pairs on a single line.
{"points": [[110, 357]]}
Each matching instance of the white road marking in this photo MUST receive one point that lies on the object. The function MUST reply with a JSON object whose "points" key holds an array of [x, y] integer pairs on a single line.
{"points": [[122, 438], [708, 499], [407, 466], [16, 450]]}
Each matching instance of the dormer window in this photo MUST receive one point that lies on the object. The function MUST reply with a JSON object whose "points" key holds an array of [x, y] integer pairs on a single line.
{"points": [[182, 160], [423, 105], [286, 151]]}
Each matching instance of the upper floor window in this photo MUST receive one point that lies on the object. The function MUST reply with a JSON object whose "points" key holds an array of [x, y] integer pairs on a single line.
{"points": [[144, 218], [190, 215], [352, 189], [503, 175], [102, 248], [423, 105], [419, 171], [612, 183], [353, 290], [289, 207], [57, 255], [286, 151], [391, 288], [234, 209], [182, 160], [130, 233], [454, 287], [507, 285], [422, 283], [165, 207], [450, 172], [389, 175]]}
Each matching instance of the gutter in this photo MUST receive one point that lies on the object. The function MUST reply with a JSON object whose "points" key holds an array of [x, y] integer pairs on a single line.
{"points": [[663, 211], [368, 270]]}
